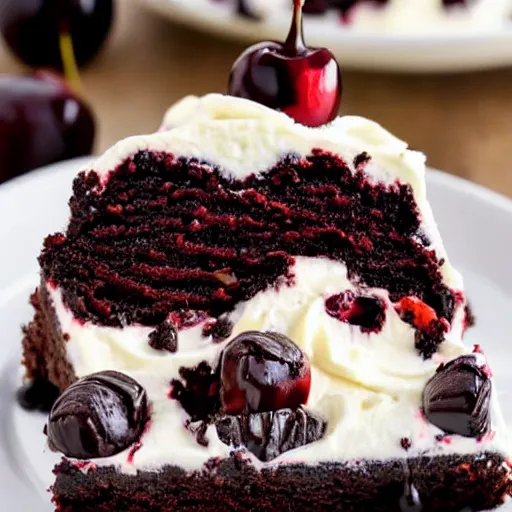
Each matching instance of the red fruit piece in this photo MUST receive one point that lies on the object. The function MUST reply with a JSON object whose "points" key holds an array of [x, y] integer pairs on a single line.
{"points": [[366, 311], [415, 312], [263, 371], [303, 82]]}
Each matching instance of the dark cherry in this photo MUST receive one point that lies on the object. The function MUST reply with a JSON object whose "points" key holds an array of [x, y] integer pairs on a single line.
{"points": [[263, 371], [164, 337], [98, 416], [268, 434], [41, 122], [32, 28], [304, 83], [37, 394], [456, 399], [366, 311]]}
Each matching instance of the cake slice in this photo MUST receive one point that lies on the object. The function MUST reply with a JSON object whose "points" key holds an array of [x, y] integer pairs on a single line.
{"points": [[244, 313]]}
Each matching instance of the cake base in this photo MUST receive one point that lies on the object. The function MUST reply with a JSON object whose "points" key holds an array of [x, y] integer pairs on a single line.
{"points": [[44, 345], [447, 483]]}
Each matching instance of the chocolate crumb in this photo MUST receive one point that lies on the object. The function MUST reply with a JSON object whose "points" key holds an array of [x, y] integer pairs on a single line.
{"points": [[362, 158], [164, 337], [219, 329]]}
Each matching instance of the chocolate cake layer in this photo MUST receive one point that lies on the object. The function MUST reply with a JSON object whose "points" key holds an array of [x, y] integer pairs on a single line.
{"points": [[440, 484], [44, 344], [164, 233]]}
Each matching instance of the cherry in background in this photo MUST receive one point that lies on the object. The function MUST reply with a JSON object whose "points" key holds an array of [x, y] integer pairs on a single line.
{"points": [[33, 28], [303, 82], [41, 122]]}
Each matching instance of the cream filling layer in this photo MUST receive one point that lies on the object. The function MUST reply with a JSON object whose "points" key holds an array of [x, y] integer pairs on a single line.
{"points": [[367, 386]]}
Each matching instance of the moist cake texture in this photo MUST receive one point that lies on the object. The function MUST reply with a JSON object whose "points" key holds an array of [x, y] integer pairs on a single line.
{"points": [[235, 244]]}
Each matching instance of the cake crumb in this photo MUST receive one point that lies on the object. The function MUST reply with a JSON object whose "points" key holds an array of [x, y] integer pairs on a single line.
{"points": [[405, 443]]}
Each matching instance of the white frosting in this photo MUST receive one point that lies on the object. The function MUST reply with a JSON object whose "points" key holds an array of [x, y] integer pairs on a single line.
{"points": [[367, 386], [411, 16]]}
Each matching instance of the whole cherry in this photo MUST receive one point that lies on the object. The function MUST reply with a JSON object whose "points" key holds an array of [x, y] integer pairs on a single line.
{"points": [[36, 29], [303, 82], [263, 371], [41, 121]]}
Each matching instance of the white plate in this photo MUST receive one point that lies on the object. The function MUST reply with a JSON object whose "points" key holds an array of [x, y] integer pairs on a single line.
{"points": [[476, 224], [411, 53]]}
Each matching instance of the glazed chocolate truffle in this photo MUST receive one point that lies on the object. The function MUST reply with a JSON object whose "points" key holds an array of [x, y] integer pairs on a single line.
{"points": [[456, 399], [263, 371], [269, 434], [98, 416]]}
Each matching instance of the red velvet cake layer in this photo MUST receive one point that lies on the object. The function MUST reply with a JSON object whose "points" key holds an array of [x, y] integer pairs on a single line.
{"points": [[165, 234], [440, 484]]}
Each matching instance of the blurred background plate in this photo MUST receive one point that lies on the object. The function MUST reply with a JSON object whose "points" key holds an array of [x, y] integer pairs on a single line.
{"points": [[392, 52]]}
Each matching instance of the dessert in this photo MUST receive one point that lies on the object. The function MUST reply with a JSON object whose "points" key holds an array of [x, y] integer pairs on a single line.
{"points": [[391, 16], [247, 313]]}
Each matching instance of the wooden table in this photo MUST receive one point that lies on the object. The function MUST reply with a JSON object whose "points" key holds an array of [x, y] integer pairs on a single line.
{"points": [[462, 122]]}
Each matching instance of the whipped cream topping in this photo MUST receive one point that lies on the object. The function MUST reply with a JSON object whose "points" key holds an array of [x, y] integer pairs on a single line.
{"points": [[367, 386], [410, 17]]}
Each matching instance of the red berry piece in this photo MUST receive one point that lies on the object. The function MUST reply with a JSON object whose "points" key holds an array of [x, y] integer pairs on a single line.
{"points": [[366, 311], [263, 371], [430, 329], [41, 122], [303, 82], [415, 312], [32, 29]]}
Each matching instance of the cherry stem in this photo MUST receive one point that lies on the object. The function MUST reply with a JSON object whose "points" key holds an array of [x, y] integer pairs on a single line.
{"points": [[294, 43], [67, 52]]}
